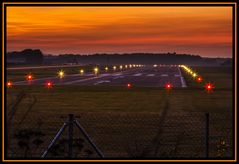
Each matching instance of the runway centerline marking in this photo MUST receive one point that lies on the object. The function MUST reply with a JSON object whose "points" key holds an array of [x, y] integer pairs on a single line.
{"points": [[164, 75], [89, 74], [91, 78], [150, 75], [82, 80], [102, 81], [118, 77], [138, 74], [117, 74]]}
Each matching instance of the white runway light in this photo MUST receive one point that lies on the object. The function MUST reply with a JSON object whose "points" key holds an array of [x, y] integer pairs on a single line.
{"points": [[81, 71], [61, 74], [96, 70]]}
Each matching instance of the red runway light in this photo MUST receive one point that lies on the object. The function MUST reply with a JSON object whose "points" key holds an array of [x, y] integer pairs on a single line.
{"points": [[168, 86], [29, 77], [129, 85], [49, 84], [9, 84], [209, 87], [199, 79]]}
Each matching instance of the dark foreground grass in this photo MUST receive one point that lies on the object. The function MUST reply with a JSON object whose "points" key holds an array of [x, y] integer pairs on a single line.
{"points": [[126, 123], [62, 99]]}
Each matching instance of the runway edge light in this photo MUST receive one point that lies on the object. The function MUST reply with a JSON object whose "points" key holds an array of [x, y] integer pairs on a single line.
{"points": [[29, 77], [9, 84], [96, 70], [129, 85], [81, 71], [61, 74], [209, 87], [49, 84], [199, 79], [168, 86]]}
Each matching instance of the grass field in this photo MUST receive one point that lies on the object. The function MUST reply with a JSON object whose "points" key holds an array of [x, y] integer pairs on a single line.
{"points": [[129, 122], [121, 99]]}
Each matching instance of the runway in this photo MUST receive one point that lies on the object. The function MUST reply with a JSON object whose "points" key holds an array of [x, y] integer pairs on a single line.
{"points": [[139, 77]]}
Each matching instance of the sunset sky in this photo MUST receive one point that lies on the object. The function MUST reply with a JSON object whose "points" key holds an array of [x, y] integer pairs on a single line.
{"points": [[205, 31]]}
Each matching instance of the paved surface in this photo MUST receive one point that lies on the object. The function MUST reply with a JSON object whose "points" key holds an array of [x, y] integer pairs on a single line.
{"points": [[143, 77]]}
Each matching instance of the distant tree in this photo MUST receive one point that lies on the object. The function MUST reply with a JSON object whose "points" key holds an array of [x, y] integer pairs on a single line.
{"points": [[33, 56], [30, 56]]}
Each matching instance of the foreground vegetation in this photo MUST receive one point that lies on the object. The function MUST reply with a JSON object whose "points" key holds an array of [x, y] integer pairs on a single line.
{"points": [[121, 99]]}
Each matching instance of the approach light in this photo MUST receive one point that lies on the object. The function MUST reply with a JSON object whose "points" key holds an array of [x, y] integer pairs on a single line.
{"points": [[61, 74], [194, 74], [155, 65], [121, 67], [9, 84], [106, 68], [114, 67], [130, 66], [126, 66]]}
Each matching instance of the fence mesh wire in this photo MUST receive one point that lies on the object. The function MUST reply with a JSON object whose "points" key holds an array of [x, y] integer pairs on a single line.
{"points": [[122, 135]]}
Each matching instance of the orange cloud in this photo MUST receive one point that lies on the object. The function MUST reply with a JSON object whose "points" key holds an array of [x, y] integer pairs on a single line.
{"points": [[206, 31]]}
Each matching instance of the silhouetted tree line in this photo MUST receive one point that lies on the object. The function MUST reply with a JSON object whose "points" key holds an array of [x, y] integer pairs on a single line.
{"points": [[29, 55], [127, 58], [37, 57]]}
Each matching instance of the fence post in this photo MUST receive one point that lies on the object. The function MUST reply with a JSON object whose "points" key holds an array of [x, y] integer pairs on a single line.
{"points": [[207, 135], [89, 139], [54, 140], [70, 135]]}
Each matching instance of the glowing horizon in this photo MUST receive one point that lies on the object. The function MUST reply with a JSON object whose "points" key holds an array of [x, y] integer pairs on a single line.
{"points": [[204, 31]]}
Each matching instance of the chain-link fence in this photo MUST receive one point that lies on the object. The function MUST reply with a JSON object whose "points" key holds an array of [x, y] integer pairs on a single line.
{"points": [[122, 135]]}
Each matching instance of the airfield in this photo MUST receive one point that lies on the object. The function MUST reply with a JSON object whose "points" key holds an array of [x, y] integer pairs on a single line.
{"points": [[128, 112]]}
